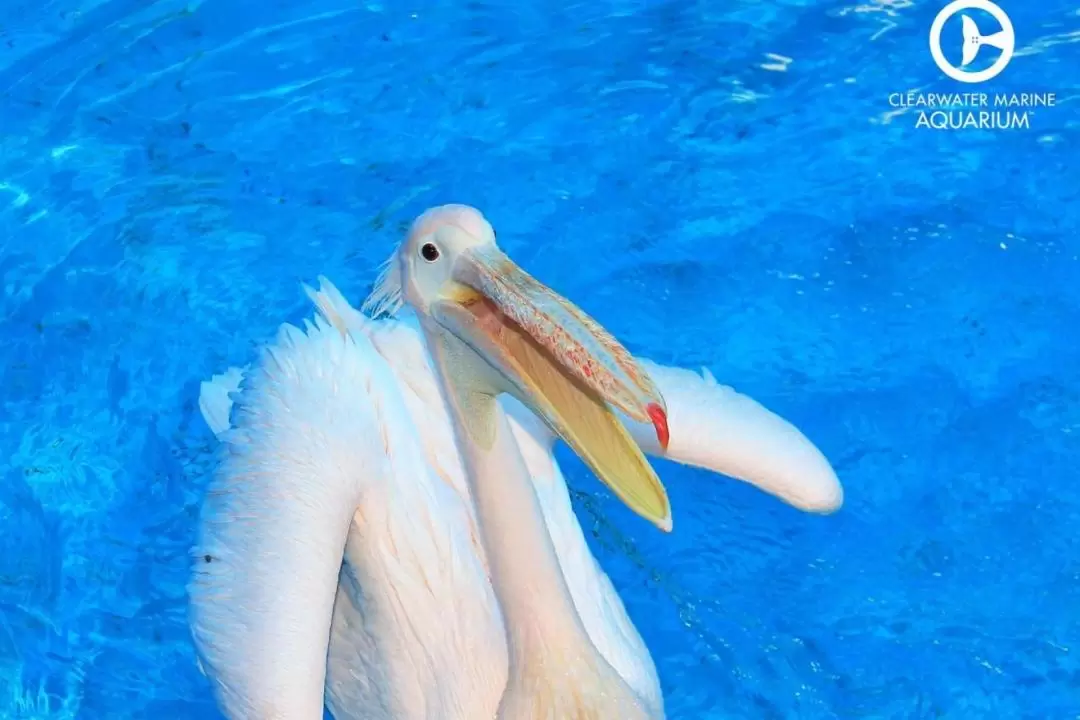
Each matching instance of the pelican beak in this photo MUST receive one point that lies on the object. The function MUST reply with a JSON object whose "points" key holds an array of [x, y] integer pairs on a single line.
{"points": [[563, 366]]}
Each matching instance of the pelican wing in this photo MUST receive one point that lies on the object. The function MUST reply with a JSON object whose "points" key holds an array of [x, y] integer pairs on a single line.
{"points": [[338, 454], [716, 428], [276, 516]]}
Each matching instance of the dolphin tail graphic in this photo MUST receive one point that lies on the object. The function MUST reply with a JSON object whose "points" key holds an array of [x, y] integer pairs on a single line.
{"points": [[973, 40]]}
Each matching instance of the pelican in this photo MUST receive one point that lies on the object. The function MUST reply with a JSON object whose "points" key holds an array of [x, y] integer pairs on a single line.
{"points": [[387, 531]]}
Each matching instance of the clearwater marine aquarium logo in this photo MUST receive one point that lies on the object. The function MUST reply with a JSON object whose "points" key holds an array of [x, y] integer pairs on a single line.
{"points": [[972, 110]]}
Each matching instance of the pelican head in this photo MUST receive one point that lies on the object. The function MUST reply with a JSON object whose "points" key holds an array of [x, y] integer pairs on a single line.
{"points": [[441, 240], [534, 344]]}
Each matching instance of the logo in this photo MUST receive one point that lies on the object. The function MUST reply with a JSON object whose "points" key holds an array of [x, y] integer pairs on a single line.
{"points": [[956, 108], [1004, 40]]}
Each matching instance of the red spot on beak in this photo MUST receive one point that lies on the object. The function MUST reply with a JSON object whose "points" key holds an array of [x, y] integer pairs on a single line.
{"points": [[659, 421]]}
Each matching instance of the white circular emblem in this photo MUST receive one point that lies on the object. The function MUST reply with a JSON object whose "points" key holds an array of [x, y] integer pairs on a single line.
{"points": [[1004, 40]]}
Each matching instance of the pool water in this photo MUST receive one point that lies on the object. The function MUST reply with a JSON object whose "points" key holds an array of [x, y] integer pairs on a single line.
{"points": [[722, 184]]}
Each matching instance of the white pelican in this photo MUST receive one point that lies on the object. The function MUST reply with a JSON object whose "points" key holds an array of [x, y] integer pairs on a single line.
{"points": [[455, 598]]}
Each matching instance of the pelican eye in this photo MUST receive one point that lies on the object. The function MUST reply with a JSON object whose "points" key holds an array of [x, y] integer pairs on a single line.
{"points": [[429, 252]]}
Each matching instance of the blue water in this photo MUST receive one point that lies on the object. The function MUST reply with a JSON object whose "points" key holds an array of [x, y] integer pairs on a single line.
{"points": [[170, 173]]}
